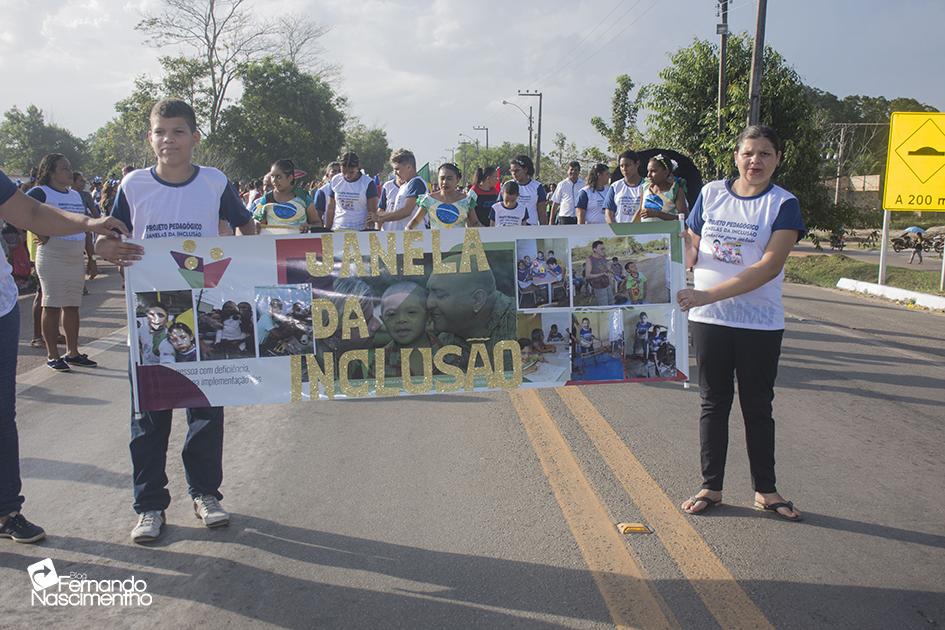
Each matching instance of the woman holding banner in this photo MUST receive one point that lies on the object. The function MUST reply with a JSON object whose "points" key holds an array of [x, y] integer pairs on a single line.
{"points": [[736, 313]]}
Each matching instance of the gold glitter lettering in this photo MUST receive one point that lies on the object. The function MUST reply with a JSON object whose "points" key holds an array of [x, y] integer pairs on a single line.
{"points": [[353, 317], [321, 268], [321, 329], [351, 257], [453, 371], [498, 360], [424, 386], [438, 265], [378, 255], [411, 253], [353, 391], [472, 248]]}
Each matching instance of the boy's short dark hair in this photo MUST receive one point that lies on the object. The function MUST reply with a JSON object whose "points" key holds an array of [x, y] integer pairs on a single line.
{"points": [[175, 108], [510, 187], [403, 156]]}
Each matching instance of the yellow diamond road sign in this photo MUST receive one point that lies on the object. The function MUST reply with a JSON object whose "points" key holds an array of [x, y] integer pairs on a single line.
{"points": [[915, 162]]}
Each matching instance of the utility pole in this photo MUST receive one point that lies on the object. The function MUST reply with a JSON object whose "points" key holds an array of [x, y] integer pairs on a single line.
{"points": [[538, 148], [757, 62], [836, 190], [486, 129], [722, 29]]}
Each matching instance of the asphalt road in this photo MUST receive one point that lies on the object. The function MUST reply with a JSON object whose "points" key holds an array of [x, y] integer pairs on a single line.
{"points": [[930, 260], [496, 510]]}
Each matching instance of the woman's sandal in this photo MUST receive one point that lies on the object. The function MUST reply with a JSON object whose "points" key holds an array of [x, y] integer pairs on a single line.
{"points": [[774, 507], [709, 504]]}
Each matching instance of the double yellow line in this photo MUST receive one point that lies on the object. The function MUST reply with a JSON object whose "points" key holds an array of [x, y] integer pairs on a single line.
{"points": [[626, 590]]}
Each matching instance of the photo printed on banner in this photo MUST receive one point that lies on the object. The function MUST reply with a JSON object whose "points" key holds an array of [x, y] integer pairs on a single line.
{"points": [[546, 351], [164, 328], [542, 273], [618, 270], [597, 345], [284, 320], [394, 319], [225, 324], [650, 349]]}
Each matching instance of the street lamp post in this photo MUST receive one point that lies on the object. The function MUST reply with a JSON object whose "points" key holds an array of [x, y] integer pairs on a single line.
{"points": [[538, 147], [530, 119], [486, 129]]}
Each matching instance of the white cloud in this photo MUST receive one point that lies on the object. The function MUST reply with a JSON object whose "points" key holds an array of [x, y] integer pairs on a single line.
{"points": [[427, 70]]}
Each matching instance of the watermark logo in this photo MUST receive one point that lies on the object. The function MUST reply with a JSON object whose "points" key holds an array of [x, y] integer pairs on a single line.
{"points": [[43, 574], [76, 589]]}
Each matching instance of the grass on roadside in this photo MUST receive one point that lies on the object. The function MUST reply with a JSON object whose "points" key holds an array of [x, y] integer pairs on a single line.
{"points": [[826, 270]]}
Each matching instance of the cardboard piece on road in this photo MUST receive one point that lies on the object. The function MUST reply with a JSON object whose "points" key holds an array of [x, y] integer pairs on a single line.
{"points": [[915, 163]]}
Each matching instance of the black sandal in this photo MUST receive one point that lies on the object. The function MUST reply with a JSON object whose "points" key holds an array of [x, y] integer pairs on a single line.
{"points": [[774, 507], [709, 504]]}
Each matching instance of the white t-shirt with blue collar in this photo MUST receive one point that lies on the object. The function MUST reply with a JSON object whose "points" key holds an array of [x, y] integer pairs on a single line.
{"points": [[593, 203], [623, 200], [734, 232]]}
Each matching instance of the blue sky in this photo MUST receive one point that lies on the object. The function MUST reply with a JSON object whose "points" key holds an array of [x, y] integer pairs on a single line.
{"points": [[429, 70]]}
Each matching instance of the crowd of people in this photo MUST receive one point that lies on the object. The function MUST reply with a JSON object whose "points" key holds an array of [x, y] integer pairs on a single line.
{"points": [[735, 308]]}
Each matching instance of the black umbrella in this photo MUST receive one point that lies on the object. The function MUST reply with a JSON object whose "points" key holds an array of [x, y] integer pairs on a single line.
{"points": [[685, 169]]}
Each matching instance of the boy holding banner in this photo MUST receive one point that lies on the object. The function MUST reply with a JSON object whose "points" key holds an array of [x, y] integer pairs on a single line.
{"points": [[169, 199]]}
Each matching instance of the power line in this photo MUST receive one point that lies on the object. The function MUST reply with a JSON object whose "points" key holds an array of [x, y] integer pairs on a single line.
{"points": [[574, 48], [572, 60]]}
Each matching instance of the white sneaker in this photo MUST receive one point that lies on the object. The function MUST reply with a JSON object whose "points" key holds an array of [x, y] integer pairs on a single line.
{"points": [[149, 527], [208, 509]]}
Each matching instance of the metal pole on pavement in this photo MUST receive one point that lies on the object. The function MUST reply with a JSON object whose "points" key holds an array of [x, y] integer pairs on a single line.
{"points": [[884, 248], [941, 280]]}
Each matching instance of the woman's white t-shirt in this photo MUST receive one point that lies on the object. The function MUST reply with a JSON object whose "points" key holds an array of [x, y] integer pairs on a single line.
{"points": [[351, 201], [624, 200], [593, 203], [734, 232]]}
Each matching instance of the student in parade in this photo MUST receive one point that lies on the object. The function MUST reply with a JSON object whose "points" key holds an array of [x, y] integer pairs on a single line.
{"points": [[25, 213], [531, 193], [590, 206], [564, 198], [61, 266], [352, 197], [509, 211], [736, 313], [663, 195], [174, 192], [288, 208], [487, 193], [400, 195], [447, 207], [623, 198]]}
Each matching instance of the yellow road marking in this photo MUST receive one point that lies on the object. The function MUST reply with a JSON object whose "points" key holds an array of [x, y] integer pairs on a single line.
{"points": [[618, 575], [722, 595]]}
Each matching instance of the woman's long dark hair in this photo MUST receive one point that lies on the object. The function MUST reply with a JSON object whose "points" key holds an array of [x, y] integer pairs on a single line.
{"points": [[46, 167]]}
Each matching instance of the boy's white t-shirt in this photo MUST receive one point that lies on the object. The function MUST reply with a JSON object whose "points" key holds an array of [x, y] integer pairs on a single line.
{"points": [[154, 208], [351, 201], [503, 216], [414, 188], [734, 232]]}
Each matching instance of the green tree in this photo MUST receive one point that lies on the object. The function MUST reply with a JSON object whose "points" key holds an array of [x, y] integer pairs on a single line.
{"points": [[123, 139], [371, 146], [224, 36], [621, 133], [683, 106], [25, 138], [283, 113]]}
